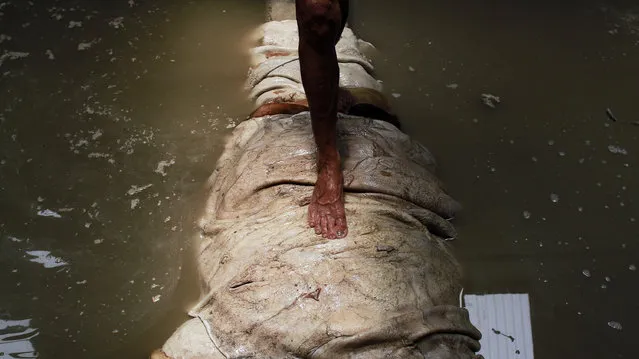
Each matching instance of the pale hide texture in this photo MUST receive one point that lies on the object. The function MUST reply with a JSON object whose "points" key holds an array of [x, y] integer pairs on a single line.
{"points": [[274, 289]]}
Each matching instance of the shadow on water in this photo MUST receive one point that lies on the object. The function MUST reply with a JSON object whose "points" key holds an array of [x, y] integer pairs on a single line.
{"points": [[112, 115]]}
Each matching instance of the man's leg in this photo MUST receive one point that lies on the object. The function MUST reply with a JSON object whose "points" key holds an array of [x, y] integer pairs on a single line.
{"points": [[320, 24]]}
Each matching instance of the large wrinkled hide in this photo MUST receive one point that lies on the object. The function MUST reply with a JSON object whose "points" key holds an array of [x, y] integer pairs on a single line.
{"points": [[274, 289]]}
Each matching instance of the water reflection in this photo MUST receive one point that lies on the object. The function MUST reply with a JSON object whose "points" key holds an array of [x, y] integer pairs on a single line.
{"points": [[15, 339]]}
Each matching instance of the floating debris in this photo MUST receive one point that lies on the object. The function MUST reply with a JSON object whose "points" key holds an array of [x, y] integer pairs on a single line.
{"points": [[73, 24], [50, 54], [46, 259], [49, 213], [396, 95], [411, 69], [12, 55], [586, 273], [134, 203], [135, 189], [490, 100], [617, 150], [453, 86], [162, 165], [156, 298], [117, 23], [87, 45], [4, 38], [98, 241], [554, 198], [615, 325], [231, 123], [632, 267], [610, 115], [527, 214]]}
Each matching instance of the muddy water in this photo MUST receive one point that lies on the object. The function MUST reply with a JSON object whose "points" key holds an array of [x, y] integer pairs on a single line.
{"points": [[112, 115]]}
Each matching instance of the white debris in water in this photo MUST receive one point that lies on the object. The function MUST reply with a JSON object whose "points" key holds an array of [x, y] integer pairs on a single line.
{"points": [[554, 198], [490, 100], [167, 219], [65, 209], [527, 214], [73, 24], [586, 273], [607, 279], [145, 137], [81, 282], [615, 325], [46, 259], [49, 54], [87, 45], [98, 241], [134, 203], [617, 150], [135, 189], [117, 23], [4, 38], [12, 55], [14, 239], [231, 123], [156, 298], [98, 155], [131, 3], [97, 134], [49, 213], [115, 331], [452, 86], [632, 267], [396, 95], [411, 69], [162, 165]]}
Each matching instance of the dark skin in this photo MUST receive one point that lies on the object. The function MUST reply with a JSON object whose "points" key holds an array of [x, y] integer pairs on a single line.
{"points": [[320, 25]]}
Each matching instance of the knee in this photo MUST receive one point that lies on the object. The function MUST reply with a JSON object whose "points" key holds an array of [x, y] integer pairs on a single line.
{"points": [[318, 12]]}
